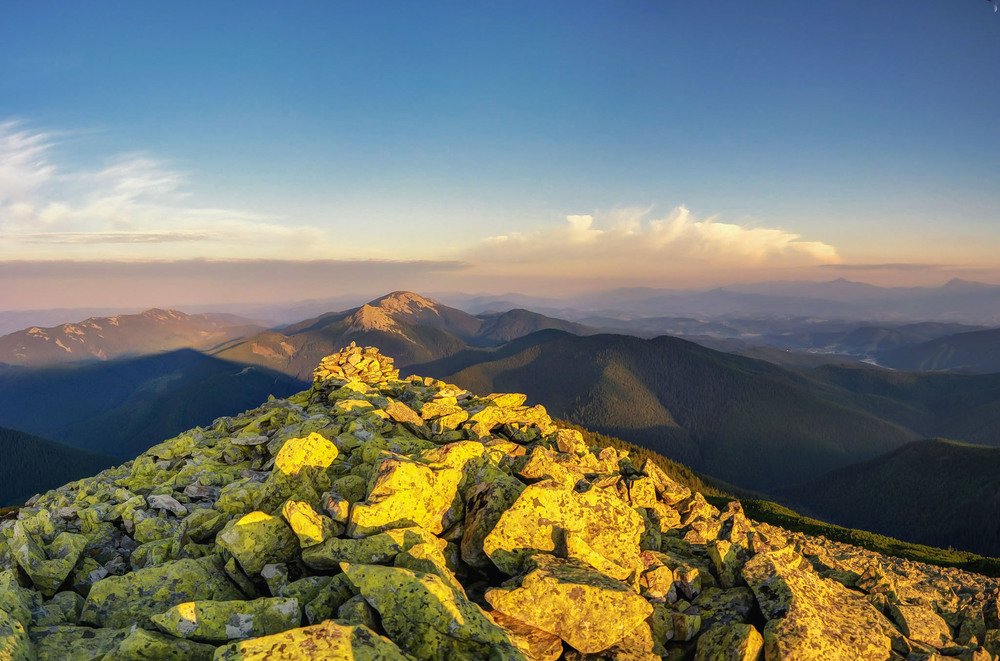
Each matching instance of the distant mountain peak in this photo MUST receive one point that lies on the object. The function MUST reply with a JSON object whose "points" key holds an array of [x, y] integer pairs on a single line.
{"points": [[403, 302], [371, 317], [958, 284]]}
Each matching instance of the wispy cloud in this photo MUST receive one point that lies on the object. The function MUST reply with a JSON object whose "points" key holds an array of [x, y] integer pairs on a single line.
{"points": [[111, 237], [632, 239], [133, 200]]}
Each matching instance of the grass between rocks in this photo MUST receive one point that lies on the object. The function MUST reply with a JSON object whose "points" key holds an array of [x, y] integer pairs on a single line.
{"points": [[719, 494]]}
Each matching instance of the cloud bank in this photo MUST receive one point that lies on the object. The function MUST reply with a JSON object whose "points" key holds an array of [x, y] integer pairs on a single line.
{"points": [[630, 241]]}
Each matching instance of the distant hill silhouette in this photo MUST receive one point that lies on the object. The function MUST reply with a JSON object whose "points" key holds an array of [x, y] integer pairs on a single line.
{"points": [[122, 407], [934, 492], [31, 465], [974, 352], [106, 338]]}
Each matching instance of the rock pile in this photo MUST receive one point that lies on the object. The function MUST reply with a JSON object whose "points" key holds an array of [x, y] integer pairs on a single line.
{"points": [[353, 362], [373, 518]]}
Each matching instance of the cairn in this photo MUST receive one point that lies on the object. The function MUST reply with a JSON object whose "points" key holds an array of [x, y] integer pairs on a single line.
{"points": [[354, 363]]}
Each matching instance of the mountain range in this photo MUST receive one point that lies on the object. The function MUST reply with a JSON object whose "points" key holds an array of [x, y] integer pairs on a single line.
{"points": [[767, 420], [958, 300], [105, 338]]}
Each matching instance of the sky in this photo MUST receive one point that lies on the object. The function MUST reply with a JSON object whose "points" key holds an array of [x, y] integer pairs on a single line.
{"points": [[192, 153]]}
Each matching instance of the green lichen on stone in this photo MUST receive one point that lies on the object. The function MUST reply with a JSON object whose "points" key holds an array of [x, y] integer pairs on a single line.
{"points": [[257, 539], [589, 610], [406, 492], [222, 621], [379, 548], [539, 518], [73, 643], [327, 640], [131, 599], [427, 618], [142, 645], [48, 566], [15, 645]]}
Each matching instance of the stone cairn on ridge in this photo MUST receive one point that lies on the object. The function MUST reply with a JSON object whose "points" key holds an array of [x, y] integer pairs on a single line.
{"points": [[353, 362], [370, 518]]}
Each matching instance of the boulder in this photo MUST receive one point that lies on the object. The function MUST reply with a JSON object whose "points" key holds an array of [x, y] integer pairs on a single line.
{"points": [[257, 539], [327, 640], [589, 610], [301, 470], [485, 503], [427, 618], [48, 566], [810, 617], [376, 549], [729, 642], [310, 528], [921, 624], [131, 599], [406, 492], [72, 643], [15, 645], [538, 520], [222, 621], [535, 643], [142, 645]]}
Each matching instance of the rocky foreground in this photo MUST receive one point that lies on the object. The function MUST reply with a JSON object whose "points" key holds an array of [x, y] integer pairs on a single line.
{"points": [[374, 518]]}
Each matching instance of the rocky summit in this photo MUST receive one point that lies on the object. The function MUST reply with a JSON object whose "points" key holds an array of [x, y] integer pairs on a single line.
{"points": [[371, 517]]}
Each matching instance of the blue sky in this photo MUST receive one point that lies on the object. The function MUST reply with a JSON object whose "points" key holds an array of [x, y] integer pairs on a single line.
{"points": [[546, 145]]}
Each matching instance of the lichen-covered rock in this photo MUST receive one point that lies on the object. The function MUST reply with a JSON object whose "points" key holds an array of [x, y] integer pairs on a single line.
{"points": [[142, 645], [356, 611], [427, 618], [486, 501], [327, 640], [62, 608], [722, 607], [538, 520], [812, 618], [566, 598], [406, 492], [301, 471], [72, 643], [327, 601], [130, 599], [429, 558], [222, 621], [730, 642], [258, 539], [15, 600], [310, 528], [47, 567], [15, 645], [375, 549], [921, 624], [537, 644], [205, 524]]}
